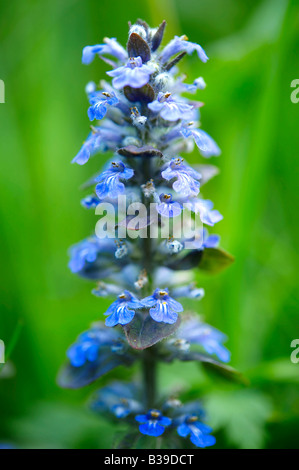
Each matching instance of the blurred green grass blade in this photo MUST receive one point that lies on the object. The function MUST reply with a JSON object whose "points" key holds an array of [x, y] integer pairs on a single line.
{"points": [[12, 342]]}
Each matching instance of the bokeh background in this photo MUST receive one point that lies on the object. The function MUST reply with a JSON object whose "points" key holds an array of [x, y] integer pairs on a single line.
{"points": [[253, 49]]}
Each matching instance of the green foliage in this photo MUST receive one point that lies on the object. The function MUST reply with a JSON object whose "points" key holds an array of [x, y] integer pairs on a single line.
{"points": [[210, 364], [241, 414], [52, 425]]}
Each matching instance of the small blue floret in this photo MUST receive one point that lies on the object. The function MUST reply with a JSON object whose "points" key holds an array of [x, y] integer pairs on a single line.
{"points": [[162, 307], [153, 423], [199, 433]]}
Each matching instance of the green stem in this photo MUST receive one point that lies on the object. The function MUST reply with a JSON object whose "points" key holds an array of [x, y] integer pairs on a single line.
{"points": [[149, 366], [149, 362]]}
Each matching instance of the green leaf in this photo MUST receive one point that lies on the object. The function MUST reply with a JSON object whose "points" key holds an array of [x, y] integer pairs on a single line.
{"points": [[143, 332], [12, 343], [215, 260], [126, 440], [210, 260], [242, 414], [54, 425], [278, 370], [208, 362], [212, 365]]}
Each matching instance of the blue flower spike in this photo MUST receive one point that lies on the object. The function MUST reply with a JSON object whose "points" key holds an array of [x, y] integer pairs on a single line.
{"points": [[144, 123], [153, 423]]}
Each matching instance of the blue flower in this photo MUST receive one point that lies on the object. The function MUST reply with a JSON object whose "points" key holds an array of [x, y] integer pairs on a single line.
{"points": [[122, 311], [198, 84], [186, 178], [87, 346], [111, 135], [203, 240], [181, 44], [83, 252], [134, 74], [124, 407], [210, 241], [109, 185], [90, 202], [90, 87], [180, 87], [6, 445], [168, 207], [99, 104], [153, 423], [204, 142], [173, 246], [191, 408], [171, 109], [117, 398], [189, 291], [211, 339], [111, 47], [121, 250], [102, 138], [84, 257], [105, 290], [163, 308], [89, 53], [89, 148], [199, 432], [204, 208]]}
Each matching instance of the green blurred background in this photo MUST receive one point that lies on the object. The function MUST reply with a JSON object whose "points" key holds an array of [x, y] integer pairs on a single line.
{"points": [[253, 49]]}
